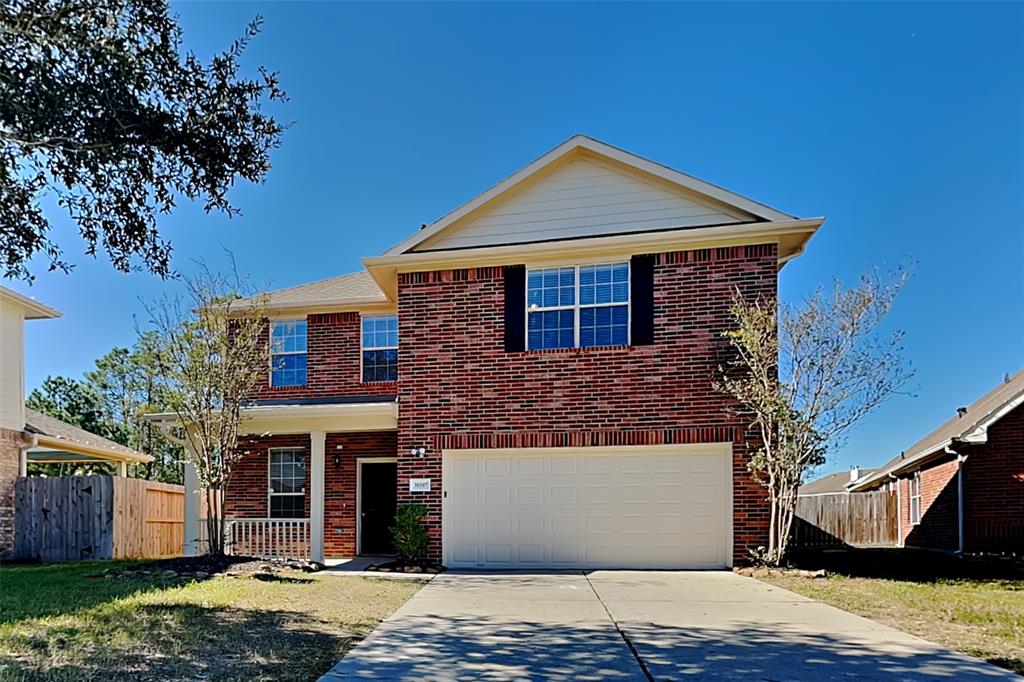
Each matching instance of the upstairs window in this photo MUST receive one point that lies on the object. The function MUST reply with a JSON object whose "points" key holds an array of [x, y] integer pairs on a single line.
{"points": [[915, 498], [577, 307], [288, 353], [287, 483], [380, 348]]}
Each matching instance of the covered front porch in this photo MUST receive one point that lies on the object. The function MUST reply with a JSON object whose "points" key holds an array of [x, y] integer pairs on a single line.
{"points": [[317, 481]]}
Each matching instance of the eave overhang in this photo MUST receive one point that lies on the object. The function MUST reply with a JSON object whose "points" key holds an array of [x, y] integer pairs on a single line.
{"points": [[792, 237], [266, 420]]}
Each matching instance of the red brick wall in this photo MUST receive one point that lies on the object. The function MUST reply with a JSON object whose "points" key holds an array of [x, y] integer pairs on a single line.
{"points": [[994, 488], [247, 494], [459, 388], [938, 526], [10, 451], [250, 477], [340, 485], [333, 362]]}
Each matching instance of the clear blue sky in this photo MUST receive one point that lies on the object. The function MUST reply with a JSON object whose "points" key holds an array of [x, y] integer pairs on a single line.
{"points": [[904, 124]]}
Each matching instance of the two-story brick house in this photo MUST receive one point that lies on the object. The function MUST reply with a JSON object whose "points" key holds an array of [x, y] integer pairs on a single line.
{"points": [[535, 368]]}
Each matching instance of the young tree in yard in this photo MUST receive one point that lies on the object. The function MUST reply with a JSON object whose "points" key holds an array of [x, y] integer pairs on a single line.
{"points": [[805, 374], [212, 349], [103, 114]]}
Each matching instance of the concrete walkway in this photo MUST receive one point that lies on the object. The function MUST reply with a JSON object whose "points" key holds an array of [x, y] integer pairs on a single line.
{"points": [[638, 625]]}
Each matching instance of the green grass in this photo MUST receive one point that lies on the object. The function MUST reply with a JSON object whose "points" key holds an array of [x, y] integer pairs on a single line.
{"points": [[980, 617], [68, 622]]}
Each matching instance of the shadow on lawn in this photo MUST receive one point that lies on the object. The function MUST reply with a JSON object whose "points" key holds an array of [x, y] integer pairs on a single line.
{"points": [[909, 564], [41, 590], [177, 641], [483, 647]]}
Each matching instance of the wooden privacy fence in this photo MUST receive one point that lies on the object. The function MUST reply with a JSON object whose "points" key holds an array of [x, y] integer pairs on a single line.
{"points": [[842, 520], [97, 517]]}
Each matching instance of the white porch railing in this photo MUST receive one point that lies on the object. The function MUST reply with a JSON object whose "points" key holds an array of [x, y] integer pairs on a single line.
{"points": [[268, 538]]}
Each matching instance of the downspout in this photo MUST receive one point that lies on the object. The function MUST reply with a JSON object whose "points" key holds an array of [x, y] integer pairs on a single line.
{"points": [[899, 511], [960, 459]]}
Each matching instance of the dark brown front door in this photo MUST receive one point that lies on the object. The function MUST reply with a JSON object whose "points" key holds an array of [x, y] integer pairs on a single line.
{"points": [[378, 499]]}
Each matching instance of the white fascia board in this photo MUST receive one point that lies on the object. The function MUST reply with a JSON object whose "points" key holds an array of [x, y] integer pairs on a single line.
{"points": [[979, 432], [33, 309]]}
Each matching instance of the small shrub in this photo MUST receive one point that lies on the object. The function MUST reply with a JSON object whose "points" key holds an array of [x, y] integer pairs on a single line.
{"points": [[409, 533]]}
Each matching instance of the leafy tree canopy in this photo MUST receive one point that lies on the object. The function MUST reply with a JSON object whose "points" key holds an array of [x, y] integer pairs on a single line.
{"points": [[102, 112], [111, 402]]}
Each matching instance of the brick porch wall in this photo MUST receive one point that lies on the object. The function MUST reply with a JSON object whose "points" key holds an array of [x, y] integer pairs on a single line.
{"points": [[247, 494], [459, 388], [340, 485], [10, 450]]}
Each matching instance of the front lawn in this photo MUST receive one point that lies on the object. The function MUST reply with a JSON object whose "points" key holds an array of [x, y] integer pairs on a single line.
{"points": [[70, 622], [982, 617]]}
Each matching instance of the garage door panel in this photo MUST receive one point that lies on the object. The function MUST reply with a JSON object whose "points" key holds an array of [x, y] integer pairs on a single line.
{"points": [[627, 507], [530, 495]]}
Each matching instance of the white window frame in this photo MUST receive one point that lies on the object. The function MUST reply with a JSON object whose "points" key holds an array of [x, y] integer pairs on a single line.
{"points": [[577, 306], [915, 496], [270, 360], [362, 348], [270, 491]]}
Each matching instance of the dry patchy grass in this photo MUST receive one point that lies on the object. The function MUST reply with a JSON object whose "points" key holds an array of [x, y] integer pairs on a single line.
{"points": [[980, 617], [68, 622]]}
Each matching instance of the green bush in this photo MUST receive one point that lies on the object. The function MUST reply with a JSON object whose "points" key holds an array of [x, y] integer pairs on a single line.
{"points": [[409, 533]]}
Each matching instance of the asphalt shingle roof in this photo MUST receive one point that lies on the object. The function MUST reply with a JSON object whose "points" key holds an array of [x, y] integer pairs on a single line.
{"points": [[45, 425]]}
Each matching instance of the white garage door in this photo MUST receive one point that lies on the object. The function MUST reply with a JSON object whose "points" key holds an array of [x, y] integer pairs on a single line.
{"points": [[628, 507]]}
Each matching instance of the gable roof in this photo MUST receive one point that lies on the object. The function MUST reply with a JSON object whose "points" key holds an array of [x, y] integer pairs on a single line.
{"points": [[56, 435], [33, 309], [833, 483], [352, 289], [970, 426], [739, 207]]}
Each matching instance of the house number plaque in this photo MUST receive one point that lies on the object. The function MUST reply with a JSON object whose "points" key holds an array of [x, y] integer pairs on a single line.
{"points": [[419, 485]]}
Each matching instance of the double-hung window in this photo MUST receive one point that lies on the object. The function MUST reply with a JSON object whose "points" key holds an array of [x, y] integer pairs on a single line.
{"points": [[915, 498], [380, 348], [577, 307], [287, 483], [288, 353]]}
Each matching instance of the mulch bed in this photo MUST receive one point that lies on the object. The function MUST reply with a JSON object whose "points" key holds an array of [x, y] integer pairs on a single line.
{"points": [[203, 567], [399, 567]]}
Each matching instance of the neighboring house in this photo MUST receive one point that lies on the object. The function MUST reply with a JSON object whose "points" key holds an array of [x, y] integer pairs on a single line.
{"points": [[833, 484], [961, 487], [535, 368], [26, 435]]}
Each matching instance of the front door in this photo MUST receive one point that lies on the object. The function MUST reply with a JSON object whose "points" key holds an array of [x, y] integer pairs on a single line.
{"points": [[378, 500]]}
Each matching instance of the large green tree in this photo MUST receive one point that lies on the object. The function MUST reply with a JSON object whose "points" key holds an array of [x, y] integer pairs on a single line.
{"points": [[103, 114]]}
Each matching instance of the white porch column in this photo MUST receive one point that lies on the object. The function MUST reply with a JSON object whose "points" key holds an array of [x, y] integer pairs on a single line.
{"points": [[193, 513], [317, 446], [122, 469]]}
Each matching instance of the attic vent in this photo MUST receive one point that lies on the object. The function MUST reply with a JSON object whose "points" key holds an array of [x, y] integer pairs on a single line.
{"points": [[961, 411]]}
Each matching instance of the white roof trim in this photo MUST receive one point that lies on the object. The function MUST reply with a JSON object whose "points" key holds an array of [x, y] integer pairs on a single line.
{"points": [[286, 411], [979, 432], [34, 310], [578, 142], [976, 434]]}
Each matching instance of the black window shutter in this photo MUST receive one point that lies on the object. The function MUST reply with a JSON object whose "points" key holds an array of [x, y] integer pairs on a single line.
{"points": [[641, 300], [515, 308]]}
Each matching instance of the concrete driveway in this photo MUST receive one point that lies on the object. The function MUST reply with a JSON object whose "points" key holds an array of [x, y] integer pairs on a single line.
{"points": [[638, 625]]}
